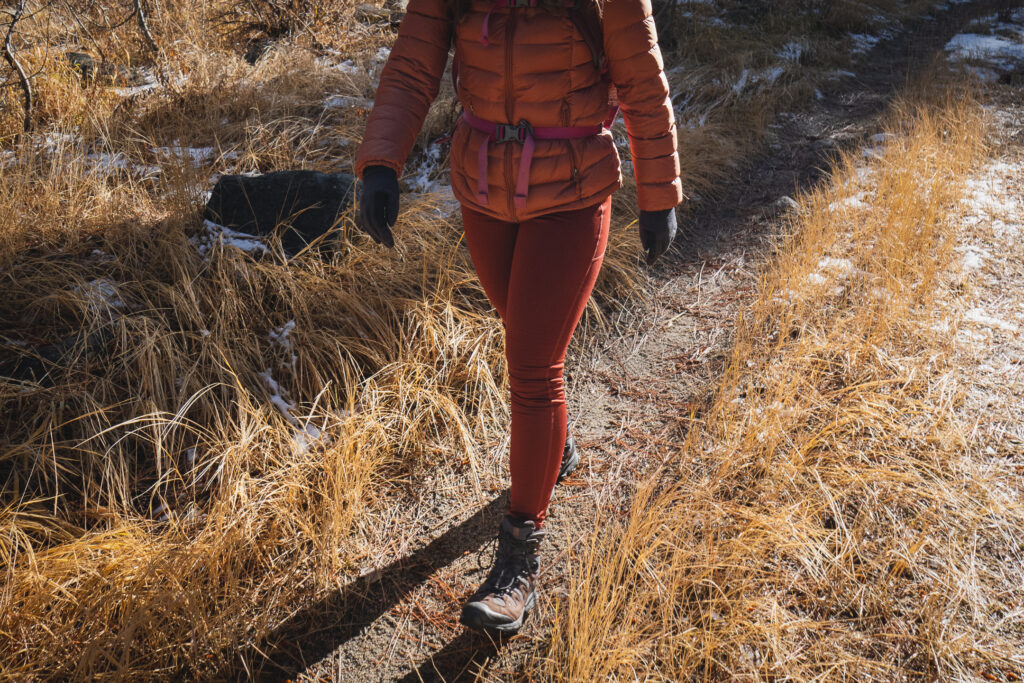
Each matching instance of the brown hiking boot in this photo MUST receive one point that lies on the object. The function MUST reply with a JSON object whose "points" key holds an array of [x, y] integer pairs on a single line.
{"points": [[510, 590]]}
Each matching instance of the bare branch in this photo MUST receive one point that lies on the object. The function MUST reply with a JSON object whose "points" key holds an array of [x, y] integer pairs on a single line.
{"points": [[141, 16], [26, 86]]}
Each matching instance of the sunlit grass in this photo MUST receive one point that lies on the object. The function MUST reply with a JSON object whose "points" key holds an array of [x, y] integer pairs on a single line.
{"points": [[828, 518]]}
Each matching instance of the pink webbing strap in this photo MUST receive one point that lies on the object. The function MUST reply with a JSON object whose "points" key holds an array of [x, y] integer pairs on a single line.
{"points": [[613, 111], [485, 32], [523, 178], [526, 135], [481, 172]]}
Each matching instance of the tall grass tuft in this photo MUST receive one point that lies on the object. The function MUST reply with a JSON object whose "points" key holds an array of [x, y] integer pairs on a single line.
{"points": [[830, 517]]}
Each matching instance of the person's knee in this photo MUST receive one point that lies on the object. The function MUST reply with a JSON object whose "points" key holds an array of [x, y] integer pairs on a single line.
{"points": [[536, 385]]}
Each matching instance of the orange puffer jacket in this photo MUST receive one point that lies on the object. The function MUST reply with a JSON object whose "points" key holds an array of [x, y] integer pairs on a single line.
{"points": [[535, 66]]}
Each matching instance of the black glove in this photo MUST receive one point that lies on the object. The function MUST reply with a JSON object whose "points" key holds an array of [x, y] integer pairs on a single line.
{"points": [[378, 203], [657, 230]]}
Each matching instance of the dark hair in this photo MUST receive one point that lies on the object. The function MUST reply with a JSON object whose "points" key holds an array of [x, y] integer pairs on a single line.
{"points": [[457, 9]]}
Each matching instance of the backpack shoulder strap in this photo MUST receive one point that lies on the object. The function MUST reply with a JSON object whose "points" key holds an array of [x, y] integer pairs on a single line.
{"points": [[583, 14], [588, 23]]}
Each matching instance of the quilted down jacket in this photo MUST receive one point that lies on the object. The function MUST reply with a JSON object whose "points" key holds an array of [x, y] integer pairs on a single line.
{"points": [[535, 66]]}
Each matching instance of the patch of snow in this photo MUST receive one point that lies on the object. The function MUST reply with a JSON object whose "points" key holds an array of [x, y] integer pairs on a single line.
{"points": [[111, 163], [700, 122], [817, 279], [280, 336], [762, 77], [283, 406], [445, 199], [979, 316], [792, 51], [147, 85], [987, 195], [865, 173], [974, 258], [305, 435], [54, 141], [100, 256], [1006, 230], [198, 155], [348, 102], [101, 293], [981, 73], [863, 42], [985, 22], [838, 265], [214, 234], [348, 66], [999, 52], [423, 177], [852, 202]]}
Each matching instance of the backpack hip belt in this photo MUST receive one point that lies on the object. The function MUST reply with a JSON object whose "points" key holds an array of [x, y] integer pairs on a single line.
{"points": [[588, 23], [525, 134]]}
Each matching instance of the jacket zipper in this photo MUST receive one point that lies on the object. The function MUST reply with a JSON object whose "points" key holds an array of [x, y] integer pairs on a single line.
{"points": [[572, 150], [510, 28]]}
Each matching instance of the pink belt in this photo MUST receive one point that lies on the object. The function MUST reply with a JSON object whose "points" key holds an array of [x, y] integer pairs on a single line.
{"points": [[524, 133]]}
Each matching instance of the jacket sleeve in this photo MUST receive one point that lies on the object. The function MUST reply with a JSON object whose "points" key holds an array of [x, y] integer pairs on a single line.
{"points": [[408, 85], [636, 69]]}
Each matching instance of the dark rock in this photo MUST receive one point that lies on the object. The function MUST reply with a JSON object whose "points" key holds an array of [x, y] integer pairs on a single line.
{"points": [[780, 207], [1014, 78], [84, 64], [34, 364], [301, 205], [257, 49], [369, 13], [108, 73]]}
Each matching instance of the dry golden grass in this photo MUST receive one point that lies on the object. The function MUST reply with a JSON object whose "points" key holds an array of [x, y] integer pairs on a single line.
{"points": [[158, 509], [829, 518]]}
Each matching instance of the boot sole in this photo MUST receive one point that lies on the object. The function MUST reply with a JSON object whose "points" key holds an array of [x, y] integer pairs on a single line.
{"points": [[570, 459]]}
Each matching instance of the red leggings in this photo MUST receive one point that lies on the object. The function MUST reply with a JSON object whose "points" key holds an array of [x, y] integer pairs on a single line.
{"points": [[538, 274]]}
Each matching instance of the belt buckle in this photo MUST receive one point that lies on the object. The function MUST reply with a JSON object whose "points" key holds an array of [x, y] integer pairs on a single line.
{"points": [[508, 132]]}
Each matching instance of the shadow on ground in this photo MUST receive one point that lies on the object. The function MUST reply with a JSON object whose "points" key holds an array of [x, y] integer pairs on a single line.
{"points": [[319, 629], [459, 660]]}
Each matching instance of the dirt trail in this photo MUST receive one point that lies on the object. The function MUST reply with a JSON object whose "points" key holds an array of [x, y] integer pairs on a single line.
{"points": [[630, 397]]}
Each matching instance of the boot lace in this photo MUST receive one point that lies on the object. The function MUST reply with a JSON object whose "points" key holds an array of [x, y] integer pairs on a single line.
{"points": [[511, 560]]}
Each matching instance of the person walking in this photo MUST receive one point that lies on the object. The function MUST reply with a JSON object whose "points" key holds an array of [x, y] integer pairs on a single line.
{"points": [[533, 166]]}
